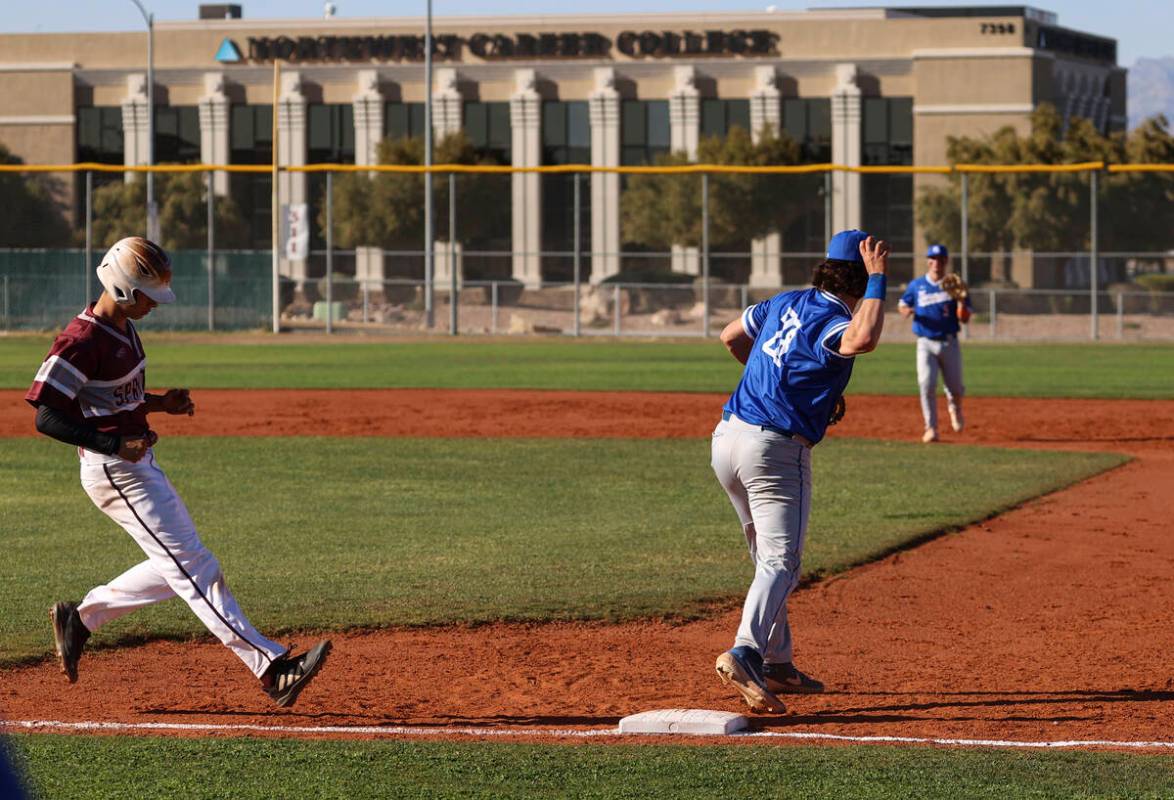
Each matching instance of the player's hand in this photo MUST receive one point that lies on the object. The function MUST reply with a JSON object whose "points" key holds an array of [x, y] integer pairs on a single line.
{"points": [[133, 448], [875, 253], [178, 401]]}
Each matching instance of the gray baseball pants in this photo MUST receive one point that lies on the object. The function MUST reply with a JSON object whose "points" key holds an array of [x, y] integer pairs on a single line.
{"points": [[934, 357], [768, 479]]}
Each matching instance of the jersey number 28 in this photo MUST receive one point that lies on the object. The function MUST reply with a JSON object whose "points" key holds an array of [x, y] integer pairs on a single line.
{"points": [[777, 346]]}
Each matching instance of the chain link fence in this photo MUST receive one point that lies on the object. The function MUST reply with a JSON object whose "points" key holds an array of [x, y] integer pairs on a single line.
{"points": [[242, 300], [686, 277]]}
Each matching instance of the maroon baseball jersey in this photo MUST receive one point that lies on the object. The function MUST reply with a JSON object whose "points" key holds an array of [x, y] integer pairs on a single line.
{"points": [[95, 373]]}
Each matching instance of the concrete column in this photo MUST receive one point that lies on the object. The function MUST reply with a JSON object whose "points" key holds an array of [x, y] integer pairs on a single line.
{"points": [[370, 272], [846, 137], [135, 148], [684, 133], [291, 151], [440, 255], [766, 263], [213, 108], [604, 107], [685, 111], [526, 130], [685, 260], [368, 106], [765, 102], [447, 104]]}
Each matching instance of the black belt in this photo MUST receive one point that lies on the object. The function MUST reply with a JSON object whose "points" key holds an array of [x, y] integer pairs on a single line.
{"points": [[726, 418], [945, 338]]}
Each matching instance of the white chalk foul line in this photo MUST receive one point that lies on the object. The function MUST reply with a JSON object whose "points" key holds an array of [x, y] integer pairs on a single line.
{"points": [[409, 730], [1077, 743], [353, 730]]}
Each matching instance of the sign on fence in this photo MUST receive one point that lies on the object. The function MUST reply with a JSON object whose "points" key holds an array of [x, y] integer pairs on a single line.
{"points": [[296, 230]]}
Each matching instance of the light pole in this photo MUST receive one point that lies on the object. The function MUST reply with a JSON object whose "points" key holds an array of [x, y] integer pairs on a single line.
{"points": [[152, 208], [428, 237]]}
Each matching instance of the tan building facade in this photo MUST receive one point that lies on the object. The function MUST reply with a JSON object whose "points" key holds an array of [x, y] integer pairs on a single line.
{"points": [[872, 85]]}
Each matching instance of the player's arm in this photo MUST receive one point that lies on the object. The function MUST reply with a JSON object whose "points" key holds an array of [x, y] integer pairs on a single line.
{"points": [[174, 401], [737, 340], [58, 425], [905, 304], [964, 311], [864, 331]]}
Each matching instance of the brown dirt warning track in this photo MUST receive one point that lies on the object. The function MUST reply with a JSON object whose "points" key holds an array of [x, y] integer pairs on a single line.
{"points": [[1051, 623]]}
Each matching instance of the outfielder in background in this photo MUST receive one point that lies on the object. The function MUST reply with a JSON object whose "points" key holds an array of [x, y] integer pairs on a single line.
{"points": [[90, 392], [939, 303], [798, 348]]}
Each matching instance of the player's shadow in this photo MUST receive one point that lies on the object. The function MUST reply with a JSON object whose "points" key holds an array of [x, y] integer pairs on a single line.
{"points": [[837, 718], [1007, 699]]}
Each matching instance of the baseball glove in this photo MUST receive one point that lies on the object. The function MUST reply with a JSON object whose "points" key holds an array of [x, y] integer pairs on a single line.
{"points": [[838, 411], [955, 287]]}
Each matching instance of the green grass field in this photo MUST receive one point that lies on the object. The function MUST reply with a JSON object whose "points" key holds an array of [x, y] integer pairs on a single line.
{"points": [[526, 529], [328, 533], [1061, 370], [243, 769]]}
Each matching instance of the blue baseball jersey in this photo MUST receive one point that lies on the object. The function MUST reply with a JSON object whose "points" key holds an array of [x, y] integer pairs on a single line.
{"points": [[794, 375], [935, 313]]}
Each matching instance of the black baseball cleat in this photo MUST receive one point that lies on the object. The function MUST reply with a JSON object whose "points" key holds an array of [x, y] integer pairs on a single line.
{"points": [[287, 676], [69, 635], [785, 679]]}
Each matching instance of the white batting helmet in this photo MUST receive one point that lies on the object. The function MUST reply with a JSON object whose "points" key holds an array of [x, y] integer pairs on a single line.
{"points": [[134, 263]]}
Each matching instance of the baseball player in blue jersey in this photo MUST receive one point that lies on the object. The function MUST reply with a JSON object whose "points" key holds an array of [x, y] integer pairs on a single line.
{"points": [[798, 348], [937, 317]]}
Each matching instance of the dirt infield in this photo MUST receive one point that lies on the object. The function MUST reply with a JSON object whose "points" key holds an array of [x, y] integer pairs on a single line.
{"points": [[1121, 425], [1049, 623]]}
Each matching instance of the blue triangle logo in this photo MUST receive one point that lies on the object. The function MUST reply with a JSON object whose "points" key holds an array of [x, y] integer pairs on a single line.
{"points": [[228, 52]]}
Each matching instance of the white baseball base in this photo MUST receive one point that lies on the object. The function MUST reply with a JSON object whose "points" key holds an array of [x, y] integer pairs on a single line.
{"points": [[692, 721]]}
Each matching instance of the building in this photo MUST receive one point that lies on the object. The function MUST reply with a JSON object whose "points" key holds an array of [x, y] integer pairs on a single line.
{"points": [[854, 86]]}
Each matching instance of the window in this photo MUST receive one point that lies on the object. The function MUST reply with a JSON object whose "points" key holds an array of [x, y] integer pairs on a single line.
{"points": [[488, 127], [250, 136], [566, 139], [887, 130], [808, 121], [177, 135], [719, 116], [99, 134], [330, 139], [330, 132], [644, 131], [99, 139], [566, 133], [887, 200], [403, 121]]}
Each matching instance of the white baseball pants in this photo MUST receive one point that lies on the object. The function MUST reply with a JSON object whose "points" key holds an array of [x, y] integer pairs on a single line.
{"points": [[768, 479], [934, 356], [141, 499]]}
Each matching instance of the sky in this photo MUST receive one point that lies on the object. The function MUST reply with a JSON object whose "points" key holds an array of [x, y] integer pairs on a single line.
{"points": [[1142, 28]]}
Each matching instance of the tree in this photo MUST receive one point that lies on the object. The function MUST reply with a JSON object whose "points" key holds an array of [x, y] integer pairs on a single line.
{"points": [[32, 217], [1050, 211], [120, 209], [662, 210], [386, 209]]}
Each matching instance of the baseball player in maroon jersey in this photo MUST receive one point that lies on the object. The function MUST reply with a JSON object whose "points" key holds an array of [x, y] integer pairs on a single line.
{"points": [[91, 392]]}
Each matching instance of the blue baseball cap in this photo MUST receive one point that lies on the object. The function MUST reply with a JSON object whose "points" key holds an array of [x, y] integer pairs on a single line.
{"points": [[845, 246], [937, 251]]}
